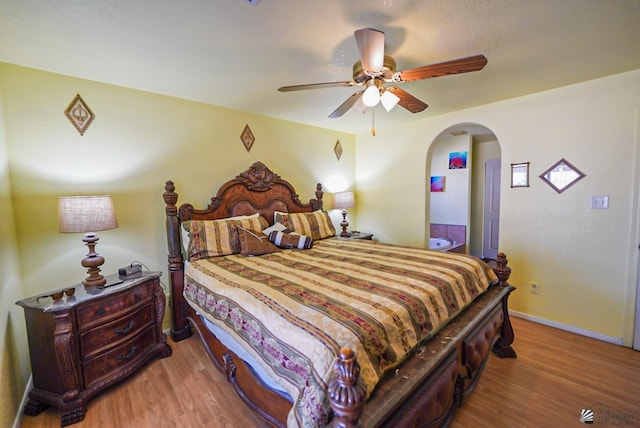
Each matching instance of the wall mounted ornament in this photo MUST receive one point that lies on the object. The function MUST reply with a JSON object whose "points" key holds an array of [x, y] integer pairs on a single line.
{"points": [[337, 149], [247, 138], [79, 114], [562, 175]]}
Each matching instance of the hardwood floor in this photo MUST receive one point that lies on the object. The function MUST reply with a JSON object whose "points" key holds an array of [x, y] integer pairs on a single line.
{"points": [[556, 375]]}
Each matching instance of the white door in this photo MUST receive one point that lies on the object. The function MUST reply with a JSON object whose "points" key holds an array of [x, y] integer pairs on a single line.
{"points": [[491, 225]]}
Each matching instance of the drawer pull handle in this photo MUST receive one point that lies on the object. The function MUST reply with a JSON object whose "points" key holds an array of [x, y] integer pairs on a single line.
{"points": [[128, 355], [125, 330], [101, 311]]}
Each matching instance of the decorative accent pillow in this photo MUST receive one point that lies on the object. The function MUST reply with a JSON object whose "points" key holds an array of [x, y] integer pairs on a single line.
{"points": [[317, 224], [290, 240], [254, 243], [212, 238]]}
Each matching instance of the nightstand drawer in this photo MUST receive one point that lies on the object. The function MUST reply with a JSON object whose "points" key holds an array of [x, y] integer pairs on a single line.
{"points": [[103, 366], [90, 314], [94, 341]]}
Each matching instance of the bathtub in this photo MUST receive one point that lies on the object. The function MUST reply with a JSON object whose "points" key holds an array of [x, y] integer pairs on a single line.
{"points": [[440, 244]]}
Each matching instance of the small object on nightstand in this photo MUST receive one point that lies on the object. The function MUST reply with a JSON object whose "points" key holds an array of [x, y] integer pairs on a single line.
{"points": [[360, 235], [83, 340], [128, 271]]}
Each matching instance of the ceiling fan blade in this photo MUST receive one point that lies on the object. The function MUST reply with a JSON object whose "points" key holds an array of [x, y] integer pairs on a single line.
{"points": [[407, 100], [456, 66], [371, 46], [345, 106], [316, 86]]}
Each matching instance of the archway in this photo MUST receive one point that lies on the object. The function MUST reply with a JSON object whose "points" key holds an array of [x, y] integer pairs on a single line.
{"points": [[462, 209]]}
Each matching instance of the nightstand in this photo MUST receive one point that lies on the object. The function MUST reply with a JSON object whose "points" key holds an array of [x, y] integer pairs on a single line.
{"points": [[89, 339], [360, 235]]}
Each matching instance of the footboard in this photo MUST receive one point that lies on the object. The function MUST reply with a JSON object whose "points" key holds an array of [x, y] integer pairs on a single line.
{"points": [[427, 389]]}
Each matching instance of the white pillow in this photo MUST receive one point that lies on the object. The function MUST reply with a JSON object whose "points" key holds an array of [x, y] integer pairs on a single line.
{"points": [[277, 227]]}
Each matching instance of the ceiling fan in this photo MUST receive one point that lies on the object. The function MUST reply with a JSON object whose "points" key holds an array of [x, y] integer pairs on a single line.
{"points": [[375, 69]]}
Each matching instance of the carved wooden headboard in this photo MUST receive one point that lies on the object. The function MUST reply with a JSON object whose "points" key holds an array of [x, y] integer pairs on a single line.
{"points": [[258, 189]]}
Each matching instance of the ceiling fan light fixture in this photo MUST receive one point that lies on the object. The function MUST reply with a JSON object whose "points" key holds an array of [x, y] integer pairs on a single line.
{"points": [[371, 96], [359, 106], [389, 100]]}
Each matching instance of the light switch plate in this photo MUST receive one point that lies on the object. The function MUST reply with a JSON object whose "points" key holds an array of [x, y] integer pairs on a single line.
{"points": [[599, 202]]}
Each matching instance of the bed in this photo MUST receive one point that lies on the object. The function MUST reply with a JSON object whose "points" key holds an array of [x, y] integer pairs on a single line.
{"points": [[329, 330]]}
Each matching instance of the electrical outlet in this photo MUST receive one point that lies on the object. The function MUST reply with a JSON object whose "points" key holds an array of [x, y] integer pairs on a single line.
{"points": [[534, 288]]}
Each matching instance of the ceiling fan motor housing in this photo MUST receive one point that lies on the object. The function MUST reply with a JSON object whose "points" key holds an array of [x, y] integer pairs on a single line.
{"points": [[388, 69]]}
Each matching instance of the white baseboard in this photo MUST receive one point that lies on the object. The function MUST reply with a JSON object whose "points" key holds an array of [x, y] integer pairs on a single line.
{"points": [[18, 420], [569, 328]]}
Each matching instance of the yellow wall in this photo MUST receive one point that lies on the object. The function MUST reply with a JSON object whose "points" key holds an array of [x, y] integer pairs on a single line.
{"points": [[584, 260], [14, 367], [137, 142]]}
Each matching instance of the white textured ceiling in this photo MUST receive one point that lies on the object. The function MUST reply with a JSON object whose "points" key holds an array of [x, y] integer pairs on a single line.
{"points": [[233, 54]]}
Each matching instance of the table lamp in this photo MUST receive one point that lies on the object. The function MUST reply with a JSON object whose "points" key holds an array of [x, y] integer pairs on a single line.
{"points": [[88, 214], [344, 200]]}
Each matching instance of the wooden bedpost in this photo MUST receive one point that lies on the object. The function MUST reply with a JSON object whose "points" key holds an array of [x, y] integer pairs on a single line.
{"points": [[503, 348], [346, 390], [181, 329], [502, 271], [319, 195]]}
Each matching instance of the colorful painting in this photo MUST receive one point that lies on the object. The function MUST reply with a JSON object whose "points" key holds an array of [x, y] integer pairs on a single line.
{"points": [[457, 160], [437, 183]]}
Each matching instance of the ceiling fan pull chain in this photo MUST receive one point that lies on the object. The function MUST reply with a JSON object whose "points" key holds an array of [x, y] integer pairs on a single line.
{"points": [[373, 122]]}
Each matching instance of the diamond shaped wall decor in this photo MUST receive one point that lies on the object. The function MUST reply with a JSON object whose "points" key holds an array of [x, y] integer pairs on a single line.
{"points": [[247, 138], [79, 114], [337, 149], [562, 175]]}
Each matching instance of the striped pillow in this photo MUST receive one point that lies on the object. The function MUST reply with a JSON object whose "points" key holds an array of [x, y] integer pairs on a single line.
{"points": [[212, 238], [316, 224], [290, 240]]}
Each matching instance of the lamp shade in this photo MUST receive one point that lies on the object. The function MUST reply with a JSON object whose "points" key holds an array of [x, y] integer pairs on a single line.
{"points": [[343, 200], [86, 214]]}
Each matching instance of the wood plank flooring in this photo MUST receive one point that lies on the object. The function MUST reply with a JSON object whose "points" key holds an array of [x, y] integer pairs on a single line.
{"points": [[556, 375]]}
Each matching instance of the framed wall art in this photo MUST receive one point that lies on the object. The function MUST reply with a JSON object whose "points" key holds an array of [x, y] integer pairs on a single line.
{"points": [[247, 138], [438, 183], [520, 174], [457, 160], [79, 114]]}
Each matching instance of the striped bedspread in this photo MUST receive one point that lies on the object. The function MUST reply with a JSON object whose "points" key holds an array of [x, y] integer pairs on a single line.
{"points": [[294, 309]]}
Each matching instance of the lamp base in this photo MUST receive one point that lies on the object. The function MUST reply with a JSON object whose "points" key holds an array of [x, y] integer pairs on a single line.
{"points": [[92, 262], [344, 224]]}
